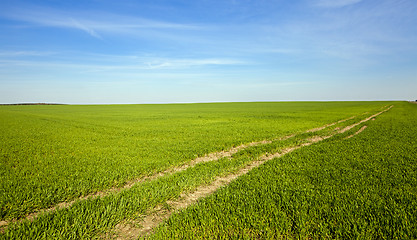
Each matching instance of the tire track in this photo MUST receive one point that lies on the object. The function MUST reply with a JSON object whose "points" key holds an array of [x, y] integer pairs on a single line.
{"points": [[207, 158], [159, 214], [356, 133]]}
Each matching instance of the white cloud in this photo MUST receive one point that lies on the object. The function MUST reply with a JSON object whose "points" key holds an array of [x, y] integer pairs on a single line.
{"points": [[336, 3], [119, 63], [185, 63], [92, 23], [24, 53], [85, 28]]}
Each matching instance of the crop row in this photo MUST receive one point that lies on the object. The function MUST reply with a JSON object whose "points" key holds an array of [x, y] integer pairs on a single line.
{"points": [[86, 219], [53, 154], [363, 187]]}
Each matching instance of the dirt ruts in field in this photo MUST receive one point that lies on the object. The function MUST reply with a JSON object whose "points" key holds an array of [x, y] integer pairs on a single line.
{"points": [[329, 125], [356, 133], [207, 158], [364, 120], [159, 214]]}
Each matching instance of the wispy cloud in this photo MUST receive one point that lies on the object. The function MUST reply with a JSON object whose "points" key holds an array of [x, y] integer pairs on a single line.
{"points": [[335, 3], [120, 63], [186, 63], [25, 53], [85, 28], [93, 23]]}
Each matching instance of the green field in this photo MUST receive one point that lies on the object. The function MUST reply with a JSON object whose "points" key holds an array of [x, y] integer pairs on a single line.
{"points": [[360, 187], [363, 187]]}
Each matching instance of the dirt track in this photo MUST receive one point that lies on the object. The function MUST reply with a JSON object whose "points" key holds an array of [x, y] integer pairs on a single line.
{"points": [[159, 214], [204, 192]]}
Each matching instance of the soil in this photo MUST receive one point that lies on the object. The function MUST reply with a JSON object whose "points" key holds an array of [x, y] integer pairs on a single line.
{"points": [[130, 230], [359, 131], [160, 214]]}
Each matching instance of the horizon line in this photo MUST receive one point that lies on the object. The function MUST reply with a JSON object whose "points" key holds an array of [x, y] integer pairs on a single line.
{"points": [[202, 102]]}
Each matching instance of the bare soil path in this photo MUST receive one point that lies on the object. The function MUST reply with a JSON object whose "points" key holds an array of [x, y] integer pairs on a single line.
{"points": [[207, 158], [134, 229]]}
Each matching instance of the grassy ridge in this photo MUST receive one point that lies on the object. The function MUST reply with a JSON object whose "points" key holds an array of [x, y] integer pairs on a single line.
{"points": [[50, 154], [362, 187]]}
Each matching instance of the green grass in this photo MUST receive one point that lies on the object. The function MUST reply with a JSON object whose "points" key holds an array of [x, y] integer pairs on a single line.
{"points": [[51, 154], [88, 218], [364, 187], [95, 217]]}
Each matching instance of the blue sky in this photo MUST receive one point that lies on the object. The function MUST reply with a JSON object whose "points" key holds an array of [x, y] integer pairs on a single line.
{"points": [[106, 51]]}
